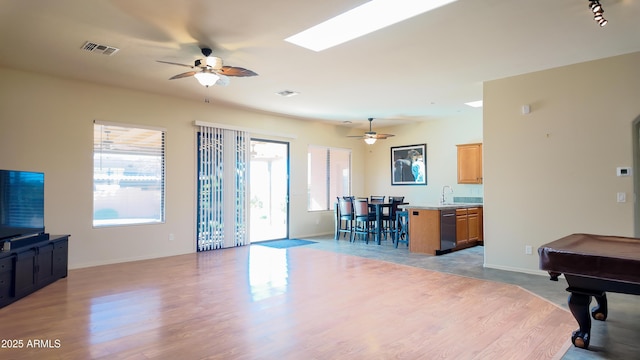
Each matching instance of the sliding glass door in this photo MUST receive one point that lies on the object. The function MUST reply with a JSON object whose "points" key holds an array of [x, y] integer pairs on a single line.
{"points": [[269, 190]]}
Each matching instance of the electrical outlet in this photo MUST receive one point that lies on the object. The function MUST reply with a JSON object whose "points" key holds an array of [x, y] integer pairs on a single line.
{"points": [[171, 237], [528, 250]]}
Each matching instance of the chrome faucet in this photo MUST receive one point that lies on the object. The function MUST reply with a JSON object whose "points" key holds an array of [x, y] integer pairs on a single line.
{"points": [[443, 200]]}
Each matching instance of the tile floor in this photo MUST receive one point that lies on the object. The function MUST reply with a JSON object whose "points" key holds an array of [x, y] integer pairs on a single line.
{"points": [[616, 338]]}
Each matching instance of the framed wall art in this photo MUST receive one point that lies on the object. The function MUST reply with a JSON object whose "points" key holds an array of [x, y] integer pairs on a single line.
{"points": [[409, 165]]}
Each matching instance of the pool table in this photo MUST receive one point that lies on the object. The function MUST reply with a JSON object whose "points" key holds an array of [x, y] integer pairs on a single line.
{"points": [[592, 265]]}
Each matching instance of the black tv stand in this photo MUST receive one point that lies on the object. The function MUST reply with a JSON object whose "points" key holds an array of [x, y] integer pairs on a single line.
{"points": [[31, 264]]}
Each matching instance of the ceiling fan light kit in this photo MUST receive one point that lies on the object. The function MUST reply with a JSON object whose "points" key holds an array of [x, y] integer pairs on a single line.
{"points": [[370, 137], [206, 79], [212, 72]]}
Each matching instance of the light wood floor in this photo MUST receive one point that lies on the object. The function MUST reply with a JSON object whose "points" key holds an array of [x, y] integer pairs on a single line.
{"points": [[262, 303]]}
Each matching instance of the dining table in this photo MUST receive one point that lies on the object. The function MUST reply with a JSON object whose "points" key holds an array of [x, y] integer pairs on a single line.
{"points": [[378, 206]]}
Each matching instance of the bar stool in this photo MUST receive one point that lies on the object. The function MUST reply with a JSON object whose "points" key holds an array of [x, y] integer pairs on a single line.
{"points": [[401, 234], [363, 219], [389, 218], [344, 217]]}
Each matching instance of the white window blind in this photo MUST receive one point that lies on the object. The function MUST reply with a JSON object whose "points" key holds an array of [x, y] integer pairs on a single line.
{"points": [[328, 176], [128, 174]]}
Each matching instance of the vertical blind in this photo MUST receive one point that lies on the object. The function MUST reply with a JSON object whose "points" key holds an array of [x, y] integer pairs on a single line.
{"points": [[223, 205]]}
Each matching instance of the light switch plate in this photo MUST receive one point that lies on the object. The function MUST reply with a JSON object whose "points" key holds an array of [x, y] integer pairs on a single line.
{"points": [[622, 197]]}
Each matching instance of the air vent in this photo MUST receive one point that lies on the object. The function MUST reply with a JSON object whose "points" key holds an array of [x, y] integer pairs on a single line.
{"points": [[287, 93], [99, 49]]}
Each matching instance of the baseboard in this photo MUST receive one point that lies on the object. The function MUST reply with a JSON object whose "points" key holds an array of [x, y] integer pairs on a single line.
{"points": [[304, 236], [125, 260], [514, 269]]}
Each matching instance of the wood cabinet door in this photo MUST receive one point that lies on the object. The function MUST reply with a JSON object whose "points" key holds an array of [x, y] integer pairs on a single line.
{"points": [[470, 164], [473, 221], [462, 227]]}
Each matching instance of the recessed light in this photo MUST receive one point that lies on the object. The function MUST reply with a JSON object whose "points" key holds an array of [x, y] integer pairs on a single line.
{"points": [[362, 20], [475, 104]]}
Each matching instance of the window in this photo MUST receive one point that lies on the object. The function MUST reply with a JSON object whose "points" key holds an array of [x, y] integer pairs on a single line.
{"points": [[128, 174], [328, 176]]}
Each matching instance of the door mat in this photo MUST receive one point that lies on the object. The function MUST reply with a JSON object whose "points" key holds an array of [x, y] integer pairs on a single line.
{"points": [[286, 243]]}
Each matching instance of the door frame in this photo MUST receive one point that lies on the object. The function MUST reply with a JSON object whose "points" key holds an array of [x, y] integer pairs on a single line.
{"points": [[636, 179], [288, 184]]}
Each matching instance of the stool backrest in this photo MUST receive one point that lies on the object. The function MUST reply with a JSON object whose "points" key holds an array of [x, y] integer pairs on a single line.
{"points": [[361, 207], [345, 206]]}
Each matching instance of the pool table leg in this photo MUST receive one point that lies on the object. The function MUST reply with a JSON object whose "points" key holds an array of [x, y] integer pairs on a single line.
{"points": [[579, 301], [579, 306], [599, 312]]}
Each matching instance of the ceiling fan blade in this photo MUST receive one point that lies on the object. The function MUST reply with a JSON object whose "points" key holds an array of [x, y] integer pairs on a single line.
{"points": [[183, 75], [382, 136], [172, 63], [371, 134], [235, 71]]}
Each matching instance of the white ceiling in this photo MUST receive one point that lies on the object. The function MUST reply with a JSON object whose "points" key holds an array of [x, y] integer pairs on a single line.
{"points": [[423, 68]]}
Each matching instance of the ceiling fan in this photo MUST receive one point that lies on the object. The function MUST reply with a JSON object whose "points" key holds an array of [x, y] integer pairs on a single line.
{"points": [[371, 136], [211, 71]]}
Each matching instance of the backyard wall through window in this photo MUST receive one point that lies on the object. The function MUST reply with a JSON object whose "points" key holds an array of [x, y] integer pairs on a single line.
{"points": [[128, 174]]}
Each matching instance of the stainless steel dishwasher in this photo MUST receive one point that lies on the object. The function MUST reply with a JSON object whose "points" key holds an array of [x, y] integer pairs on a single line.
{"points": [[447, 230]]}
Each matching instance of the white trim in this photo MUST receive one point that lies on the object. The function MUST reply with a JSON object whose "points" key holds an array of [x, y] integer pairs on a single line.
{"points": [[518, 270], [110, 123], [240, 128]]}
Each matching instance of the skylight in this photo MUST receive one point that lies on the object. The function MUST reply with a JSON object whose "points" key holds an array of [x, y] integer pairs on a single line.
{"points": [[475, 104], [362, 20]]}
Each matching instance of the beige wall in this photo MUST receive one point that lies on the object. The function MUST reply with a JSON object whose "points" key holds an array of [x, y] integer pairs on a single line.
{"points": [[46, 124], [441, 137], [552, 172], [547, 174]]}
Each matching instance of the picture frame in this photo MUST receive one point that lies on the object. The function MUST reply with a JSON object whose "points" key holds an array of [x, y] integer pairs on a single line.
{"points": [[409, 165]]}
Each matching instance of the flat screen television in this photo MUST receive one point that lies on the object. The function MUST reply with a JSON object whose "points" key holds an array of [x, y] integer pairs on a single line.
{"points": [[21, 204]]}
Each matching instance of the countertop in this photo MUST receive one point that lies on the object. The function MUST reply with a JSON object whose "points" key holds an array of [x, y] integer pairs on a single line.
{"points": [[446, 206]]}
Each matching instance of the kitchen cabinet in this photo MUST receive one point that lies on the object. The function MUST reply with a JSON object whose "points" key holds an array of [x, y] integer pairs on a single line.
{"points": [[470, 163], [462, 227], [437, 230], [424, 231], [468, 226], [474, 224]]}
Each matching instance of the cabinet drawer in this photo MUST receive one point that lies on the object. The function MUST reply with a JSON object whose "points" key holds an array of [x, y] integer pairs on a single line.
{"points": [[60, 245], [460, 212], [473, 211], [5, 280], [6, 264], [6, 287]]}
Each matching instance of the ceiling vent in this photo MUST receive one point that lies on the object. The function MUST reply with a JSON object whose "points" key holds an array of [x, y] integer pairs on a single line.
{"points": [[287, 93], [99, 49]]}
